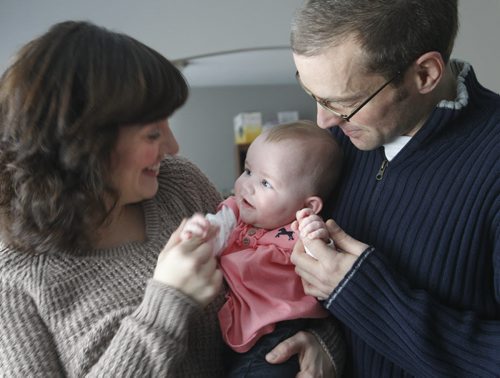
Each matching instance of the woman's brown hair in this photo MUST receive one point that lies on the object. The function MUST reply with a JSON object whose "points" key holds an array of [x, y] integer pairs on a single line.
{"points": [[62, 103]]}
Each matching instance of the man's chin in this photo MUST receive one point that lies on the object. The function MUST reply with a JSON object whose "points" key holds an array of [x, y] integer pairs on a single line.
{"points": [[364, 145]]}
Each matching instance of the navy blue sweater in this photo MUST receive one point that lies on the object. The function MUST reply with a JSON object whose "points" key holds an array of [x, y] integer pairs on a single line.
{"points": [[425, 299]]}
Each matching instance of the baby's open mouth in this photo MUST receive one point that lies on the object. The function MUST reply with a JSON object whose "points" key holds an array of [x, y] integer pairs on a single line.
{"points": [[246, 203]]}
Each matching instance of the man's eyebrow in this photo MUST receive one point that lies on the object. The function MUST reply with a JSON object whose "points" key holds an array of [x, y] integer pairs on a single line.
{"points": [[350, 98]]}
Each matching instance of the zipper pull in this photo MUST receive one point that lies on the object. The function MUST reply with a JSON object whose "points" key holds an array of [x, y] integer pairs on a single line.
{"points": [[380, 173]]}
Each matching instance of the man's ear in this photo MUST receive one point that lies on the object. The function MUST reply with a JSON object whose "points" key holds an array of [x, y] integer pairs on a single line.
{"points": [[315, 203], [429, 69]]}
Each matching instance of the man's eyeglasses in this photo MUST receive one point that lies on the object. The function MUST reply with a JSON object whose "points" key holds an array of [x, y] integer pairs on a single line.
{"points": [[328, 105]]}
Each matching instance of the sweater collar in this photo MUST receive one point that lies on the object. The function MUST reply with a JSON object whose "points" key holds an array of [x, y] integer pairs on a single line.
{"points": [[446, 111], [460, 70]]}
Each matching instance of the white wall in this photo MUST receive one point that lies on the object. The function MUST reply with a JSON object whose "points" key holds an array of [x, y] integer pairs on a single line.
{"points": [[176, 28], [478, 39], [204, 126], [179, 28]]}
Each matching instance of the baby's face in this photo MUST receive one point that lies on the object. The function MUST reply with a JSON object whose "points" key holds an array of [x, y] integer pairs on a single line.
{"points": [[273, 186]]}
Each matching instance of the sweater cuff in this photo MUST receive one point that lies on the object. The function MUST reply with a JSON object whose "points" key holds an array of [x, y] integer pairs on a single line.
{"points": [[357, 264], [167, 308], [327, 332]]}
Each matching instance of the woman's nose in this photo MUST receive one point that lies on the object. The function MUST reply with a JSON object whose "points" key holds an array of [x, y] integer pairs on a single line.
{"points": [[169, 143]]}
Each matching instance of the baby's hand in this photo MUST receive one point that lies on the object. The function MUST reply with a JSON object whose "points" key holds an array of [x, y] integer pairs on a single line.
{"points": [[197, 226], [311, 225]]}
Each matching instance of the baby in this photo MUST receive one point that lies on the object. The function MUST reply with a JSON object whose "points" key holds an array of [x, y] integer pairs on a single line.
{"points": [[289, 171]]}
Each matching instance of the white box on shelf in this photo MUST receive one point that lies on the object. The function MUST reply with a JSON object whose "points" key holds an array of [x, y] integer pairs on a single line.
{"points": [[288, 116], [247, 126]]}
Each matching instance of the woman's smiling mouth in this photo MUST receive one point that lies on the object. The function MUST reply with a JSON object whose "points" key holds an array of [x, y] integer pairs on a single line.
{"points": [[153, 170]]}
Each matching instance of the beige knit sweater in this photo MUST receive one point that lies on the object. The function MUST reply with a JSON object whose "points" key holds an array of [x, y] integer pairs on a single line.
{"points": [[100, 313]]}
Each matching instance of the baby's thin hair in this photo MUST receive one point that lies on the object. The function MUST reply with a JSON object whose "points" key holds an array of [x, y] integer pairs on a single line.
{"points": [[293, 130], [322, 148]]}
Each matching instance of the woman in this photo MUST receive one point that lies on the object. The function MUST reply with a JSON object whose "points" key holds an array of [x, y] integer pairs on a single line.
{"points": [[90, 193]]}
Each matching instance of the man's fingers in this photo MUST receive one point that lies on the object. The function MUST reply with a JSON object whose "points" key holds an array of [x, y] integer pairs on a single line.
{"points": [[284, 350], [343, 241], [324, 272], [319, 248], [307, 268], [313, 284], [313, 291]]}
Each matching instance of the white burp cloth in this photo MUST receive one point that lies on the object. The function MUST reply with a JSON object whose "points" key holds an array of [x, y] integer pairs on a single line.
{"points": [[226, 220], [330, 244]]}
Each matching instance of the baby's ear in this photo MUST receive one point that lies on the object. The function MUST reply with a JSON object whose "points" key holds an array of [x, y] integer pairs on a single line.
{"points": [[315, 203]]}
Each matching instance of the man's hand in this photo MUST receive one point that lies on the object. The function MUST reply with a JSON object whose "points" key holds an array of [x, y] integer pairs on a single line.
{"points": [[314, 361], [322, 275]]}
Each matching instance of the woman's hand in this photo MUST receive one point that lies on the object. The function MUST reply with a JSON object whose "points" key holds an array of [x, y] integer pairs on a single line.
{"points": [[190, 267], [314, 361], [196, 226]]}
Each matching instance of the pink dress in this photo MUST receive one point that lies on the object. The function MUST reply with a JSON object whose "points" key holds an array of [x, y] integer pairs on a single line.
{"points": [[264, 288]]}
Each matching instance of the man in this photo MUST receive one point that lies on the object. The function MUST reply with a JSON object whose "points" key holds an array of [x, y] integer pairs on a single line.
{"points": [[415, 280]]}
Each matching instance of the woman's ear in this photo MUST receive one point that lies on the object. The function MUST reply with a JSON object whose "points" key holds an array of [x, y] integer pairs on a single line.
{"points": [[315, 203], [430, 68]]}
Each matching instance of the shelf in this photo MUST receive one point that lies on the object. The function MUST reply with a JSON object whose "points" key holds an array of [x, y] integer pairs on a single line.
{"points": [[241, 153]]}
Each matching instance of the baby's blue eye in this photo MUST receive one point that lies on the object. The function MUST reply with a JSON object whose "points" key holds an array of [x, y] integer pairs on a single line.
{"points": [[266, 184], [247, 172]]}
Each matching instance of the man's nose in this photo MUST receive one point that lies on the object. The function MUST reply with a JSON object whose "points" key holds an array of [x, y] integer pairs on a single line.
{"points": [[326, 119]]}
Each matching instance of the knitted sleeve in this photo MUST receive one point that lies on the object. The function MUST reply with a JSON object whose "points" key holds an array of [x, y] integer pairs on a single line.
{"points": [[152, 341], [418, 333], [329, 335], [149, 342], [26, 347]]}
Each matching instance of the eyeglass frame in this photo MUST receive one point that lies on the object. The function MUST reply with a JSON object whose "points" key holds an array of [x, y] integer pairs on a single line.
{"points": [[345, 117]]}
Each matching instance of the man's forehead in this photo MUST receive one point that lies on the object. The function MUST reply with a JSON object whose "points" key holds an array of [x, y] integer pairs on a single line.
{"points": [[338, 70]]}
